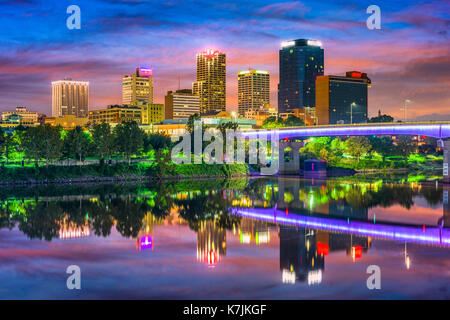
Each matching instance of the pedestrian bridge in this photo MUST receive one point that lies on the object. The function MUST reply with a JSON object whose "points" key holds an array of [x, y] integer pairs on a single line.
{"points": [[436, 236], [436, 129], [439, 130]]}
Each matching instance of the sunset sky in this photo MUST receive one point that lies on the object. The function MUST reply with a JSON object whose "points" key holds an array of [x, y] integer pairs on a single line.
{"points": [[409, 58]]}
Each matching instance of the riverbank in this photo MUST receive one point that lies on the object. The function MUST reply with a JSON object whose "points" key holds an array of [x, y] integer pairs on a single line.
{"points": [[120, 172]]}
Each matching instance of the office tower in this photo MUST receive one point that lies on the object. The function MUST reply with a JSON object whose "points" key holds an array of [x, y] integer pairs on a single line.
{"points": [[70, 98], [342, 100], [181, 104], [211, 242], [137, 89], [301, 61], [152, 113], [211, 81], [253, 90], [298, 256]]}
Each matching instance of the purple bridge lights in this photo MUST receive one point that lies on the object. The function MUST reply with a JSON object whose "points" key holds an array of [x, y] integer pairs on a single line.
{"points": [[436, 236], [438, 130]]}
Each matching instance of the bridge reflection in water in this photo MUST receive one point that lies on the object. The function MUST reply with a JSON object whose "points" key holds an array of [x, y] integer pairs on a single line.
{"points": [[438, 236]]}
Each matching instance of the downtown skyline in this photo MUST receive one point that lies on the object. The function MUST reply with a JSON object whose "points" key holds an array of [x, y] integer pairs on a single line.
{"points": [[407, 59]]}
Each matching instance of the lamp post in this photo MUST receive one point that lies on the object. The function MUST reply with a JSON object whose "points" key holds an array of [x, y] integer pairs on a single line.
{"points": [[406, 108], [351, 112]]}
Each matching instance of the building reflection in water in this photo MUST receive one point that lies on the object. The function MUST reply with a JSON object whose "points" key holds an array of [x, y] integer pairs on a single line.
{"points": [[211, 242], [145, 238], [71, 230], [303, 251], [299, 259], [254, 231]]}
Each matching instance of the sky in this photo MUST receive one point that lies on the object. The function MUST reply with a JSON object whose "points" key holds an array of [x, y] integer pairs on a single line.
{"points": [[408, 58]]}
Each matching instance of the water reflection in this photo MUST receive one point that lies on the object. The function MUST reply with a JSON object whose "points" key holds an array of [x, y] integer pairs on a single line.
{"points": [[308, 221]]}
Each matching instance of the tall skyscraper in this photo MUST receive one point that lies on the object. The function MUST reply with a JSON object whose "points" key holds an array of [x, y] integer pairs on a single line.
{"points": [[181, 104], [301, 61], [70, 98], [211, 81], [342, 100], [137, 88], [253, 90]]}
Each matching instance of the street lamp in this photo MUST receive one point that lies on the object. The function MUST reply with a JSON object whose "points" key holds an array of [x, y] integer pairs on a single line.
{"points": [[406, 108], [351, 112]]}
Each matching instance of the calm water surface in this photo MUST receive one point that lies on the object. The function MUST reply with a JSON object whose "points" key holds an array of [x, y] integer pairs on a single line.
{"points": [[234, 239]]}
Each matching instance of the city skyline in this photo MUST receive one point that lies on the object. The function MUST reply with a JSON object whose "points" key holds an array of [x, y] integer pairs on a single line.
{"points": [[407, 59]]}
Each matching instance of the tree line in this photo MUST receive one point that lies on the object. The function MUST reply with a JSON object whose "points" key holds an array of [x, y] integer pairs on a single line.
{"points": [[101, 141]]}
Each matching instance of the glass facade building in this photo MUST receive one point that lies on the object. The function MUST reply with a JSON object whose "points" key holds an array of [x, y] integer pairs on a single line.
{"points": [[301, 61], [342, 100]]}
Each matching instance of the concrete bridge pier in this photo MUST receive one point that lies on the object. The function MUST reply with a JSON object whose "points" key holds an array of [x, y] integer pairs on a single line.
{"points": [[445, 220], [289, 157], [445, 144], [288, 186]]}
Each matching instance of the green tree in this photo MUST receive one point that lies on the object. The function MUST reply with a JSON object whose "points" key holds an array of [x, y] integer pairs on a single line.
{"points": [[8, 146], [129, 139], [357, 146], [383, 146], [164, 162], [404, 147], [77, 144], [272, 123], [158, 141], [191, 120], [381, 118], [103, 139], [43, 142], [293, 121]]}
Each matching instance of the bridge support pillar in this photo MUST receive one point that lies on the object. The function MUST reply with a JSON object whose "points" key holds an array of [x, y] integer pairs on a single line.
{"points": [[288, 187], [289, 165], [446, 148], [446, 207]]}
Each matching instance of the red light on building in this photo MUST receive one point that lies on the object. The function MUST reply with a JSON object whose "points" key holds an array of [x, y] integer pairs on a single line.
{"points": [[356, 75], [211, 257], [210, 53], [322, 248], [356, 252]]}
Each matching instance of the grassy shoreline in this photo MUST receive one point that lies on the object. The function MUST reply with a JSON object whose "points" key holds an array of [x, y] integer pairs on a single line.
{"points": [[120, 172]]}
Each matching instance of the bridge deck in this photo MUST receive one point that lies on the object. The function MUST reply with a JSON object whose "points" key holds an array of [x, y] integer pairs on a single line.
{"points": [[429, 236], [440, 130]]}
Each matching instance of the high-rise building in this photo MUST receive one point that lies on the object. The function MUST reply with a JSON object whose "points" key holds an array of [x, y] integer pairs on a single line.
{"points": [[211, 242], [70, 98], [137, 88], [301, 61], [152, 113], [342, 100], [181, 104], [211, 81], [253, 90]]}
